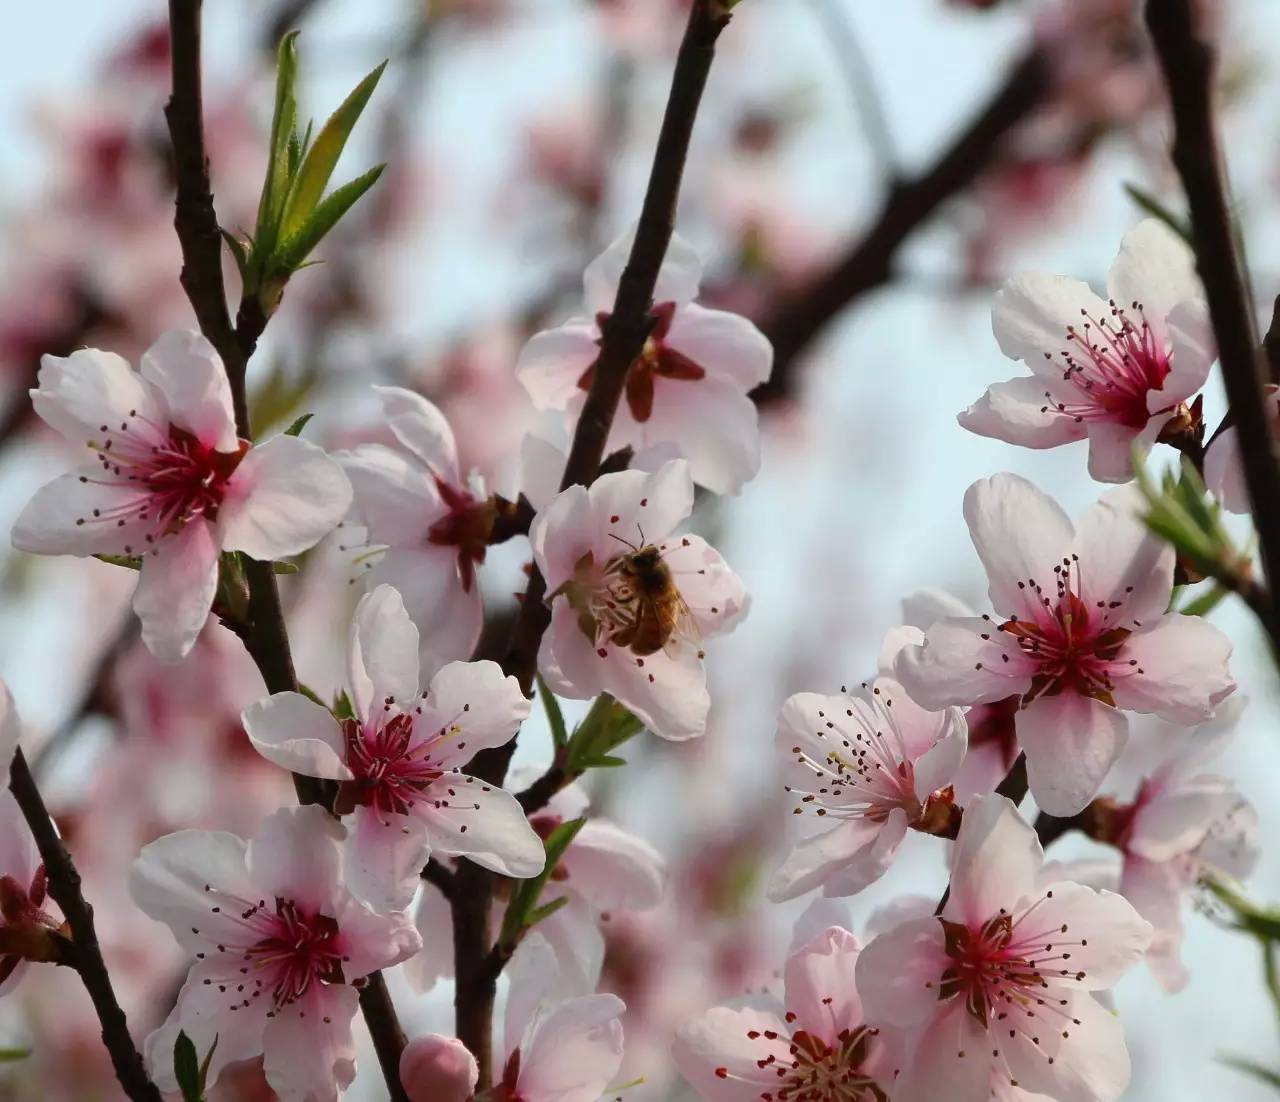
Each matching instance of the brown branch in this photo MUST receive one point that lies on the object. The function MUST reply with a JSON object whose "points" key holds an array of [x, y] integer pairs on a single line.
{"points": [[265, 634], [85, 953], [1271, 343], [441, 878], [907, 206], [1188, 61], [623, 334]]}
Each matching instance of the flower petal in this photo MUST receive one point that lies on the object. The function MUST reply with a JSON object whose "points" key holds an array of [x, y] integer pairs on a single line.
{"points": [[78, 394], [1155, 268], [715, 596], [175, 590], [294, 854], [553, 362], [477, 705], [1019, 412], [725, 345], [309, 1052], [1031, 313], [382, 653], [423, 429], [284, 498], [899, 972], [1071, 742], [574, 1053], [963, 661], [468, 818], [614, 869], [814, 860], [80, 513], [678, 278], [820, 986], [1178, 670], [994, 864], [297, 734], [393, 496], [185, 368], [735, 1042], [1125, 572], [384, 857]]}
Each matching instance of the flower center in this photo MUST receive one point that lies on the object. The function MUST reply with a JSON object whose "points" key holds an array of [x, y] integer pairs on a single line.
{"points": [[1113, 363], [177, 478], [391, 772], [815, 1071], [298, 950], [467, 525], [656, 360], [1071, 647]]}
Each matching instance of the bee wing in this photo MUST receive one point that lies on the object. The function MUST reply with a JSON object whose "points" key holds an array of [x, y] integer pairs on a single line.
{"points": [[684, 628]]}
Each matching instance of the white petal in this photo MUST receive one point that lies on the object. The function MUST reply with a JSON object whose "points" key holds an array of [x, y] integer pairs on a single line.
{"points": [[1192, 350], [297, 734], [814, 860], [72, 515], [394, 496], [1112, 445], [295, 855], [309, 1053], [923, 608], [553, 362], [720, 1039], [725, 345], [1019, 412], [899, 972], [468, 818], [434, 921], [714, 425], [384, 858], [963, 661], [575, 1051], [1125, 572], [186, 369], [1071, 742], [1020, 533], [678, 277], [1178, 670], [476, 705], [614, 869], [715, 596], [632, 504], [422, 428], [1223, 472], [561, 534], [382, 653], [1030, 315], [78, 394], [995, 862], [1154, 267], [285, 497], [175, 590]]}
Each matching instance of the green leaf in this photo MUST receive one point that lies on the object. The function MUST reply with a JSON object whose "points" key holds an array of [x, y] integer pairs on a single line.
{"points": [[129, 562], [606, 727], [296, 428], [1249, 1067], [555, 717], [342, 706], [13, 1055], [525, 895], [297, 246], [204, 1064], [545, 911], [280, 568], [1204, 603], [1149, 204], [242, 252], [283, 136], [319, 161], [186, 1068]]}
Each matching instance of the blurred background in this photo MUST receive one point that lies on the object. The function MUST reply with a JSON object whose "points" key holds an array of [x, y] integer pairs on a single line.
{"points": [[518, 135]]}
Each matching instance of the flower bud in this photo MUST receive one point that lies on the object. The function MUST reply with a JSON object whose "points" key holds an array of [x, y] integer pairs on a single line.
{"points": [[438, 1069]]}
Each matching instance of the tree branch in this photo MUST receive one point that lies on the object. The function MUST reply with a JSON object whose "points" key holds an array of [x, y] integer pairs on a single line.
{"points": [[907, 206], [86, 955], [623, 335], [265, 635], [1187, 59]]}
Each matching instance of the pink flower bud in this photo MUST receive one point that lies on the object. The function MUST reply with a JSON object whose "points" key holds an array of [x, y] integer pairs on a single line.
{"points": [[438, 1069]]}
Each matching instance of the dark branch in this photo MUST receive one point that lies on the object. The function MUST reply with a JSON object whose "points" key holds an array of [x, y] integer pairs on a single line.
{"points": [[264, 634], [441, 878], [1188, 62], [85, 953], [907, 206], [623, 335]]}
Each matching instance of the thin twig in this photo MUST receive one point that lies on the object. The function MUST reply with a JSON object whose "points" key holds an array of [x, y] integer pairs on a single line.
{"points": [[265, 635], [1188, 61], [907, 206], [623, 334], [86, 955]]}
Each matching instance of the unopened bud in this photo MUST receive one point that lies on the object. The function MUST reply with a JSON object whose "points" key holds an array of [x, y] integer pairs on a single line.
{"points": [[438, 1069]]}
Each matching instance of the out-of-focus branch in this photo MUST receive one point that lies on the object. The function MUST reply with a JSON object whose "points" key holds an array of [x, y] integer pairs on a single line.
{"points": [[1271, 343], [1188, 62], [907, 206], [623, 335], [265, 635], [85, 953]]}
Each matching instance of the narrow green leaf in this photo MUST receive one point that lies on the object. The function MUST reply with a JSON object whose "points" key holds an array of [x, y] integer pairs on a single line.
{"points": [[545, 911], [296, 428], [186, 1068], [283, 126], [318, 164], [607, 761], [280, 568], [1256, 1070], [311, 694], [525, 895], [342, 706], [298, 147], [204, 1064], [296, 247], [555, 717], [129, 562], [240, 251], [1206, 602], [607, 726], [1149, 204], [13, 1055]]}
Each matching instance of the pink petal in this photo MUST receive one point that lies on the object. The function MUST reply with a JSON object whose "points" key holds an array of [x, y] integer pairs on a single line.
{"points": [[297, 734], [953, 1059], [1030, 315], [714, 594], [1071, 742], [719, 1040], [186, 369], [1111, 447], [711, 421], [476, 704], [65, 517], [1223, 472], [295, 855], [963, 661], [78, 394], [574, 1053], [1177, 670], [382, 654], [422, 428], [1018, 412], [175, 590], [438, 1069], [468, 818], [434, 921], [1192, 351], [850, 847], [1125, 572], [820, 986], [553, 362], [1157, 890], [284, 498], [899, 972], [678, 277], [384, 857], [1021, 534], [561, 534], [995, 862], [1089, 1065], [614, 869], [871, 863], [630, 505], [308, 1048], [1155, 268], [394, 496], [725, 345]]}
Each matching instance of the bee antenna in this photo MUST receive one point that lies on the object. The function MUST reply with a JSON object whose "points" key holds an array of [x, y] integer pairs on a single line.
{"points": [[624, 542], [643, 542]]}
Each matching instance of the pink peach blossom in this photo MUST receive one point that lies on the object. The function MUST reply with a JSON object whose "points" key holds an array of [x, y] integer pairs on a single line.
{"points": [[172, 483], [580, 543], [999, 987], [438, 1069], [1113, 372], [1081, 635]]}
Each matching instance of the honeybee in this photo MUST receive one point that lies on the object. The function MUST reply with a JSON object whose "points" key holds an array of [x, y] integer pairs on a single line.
{"points": [[646, 592]]}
